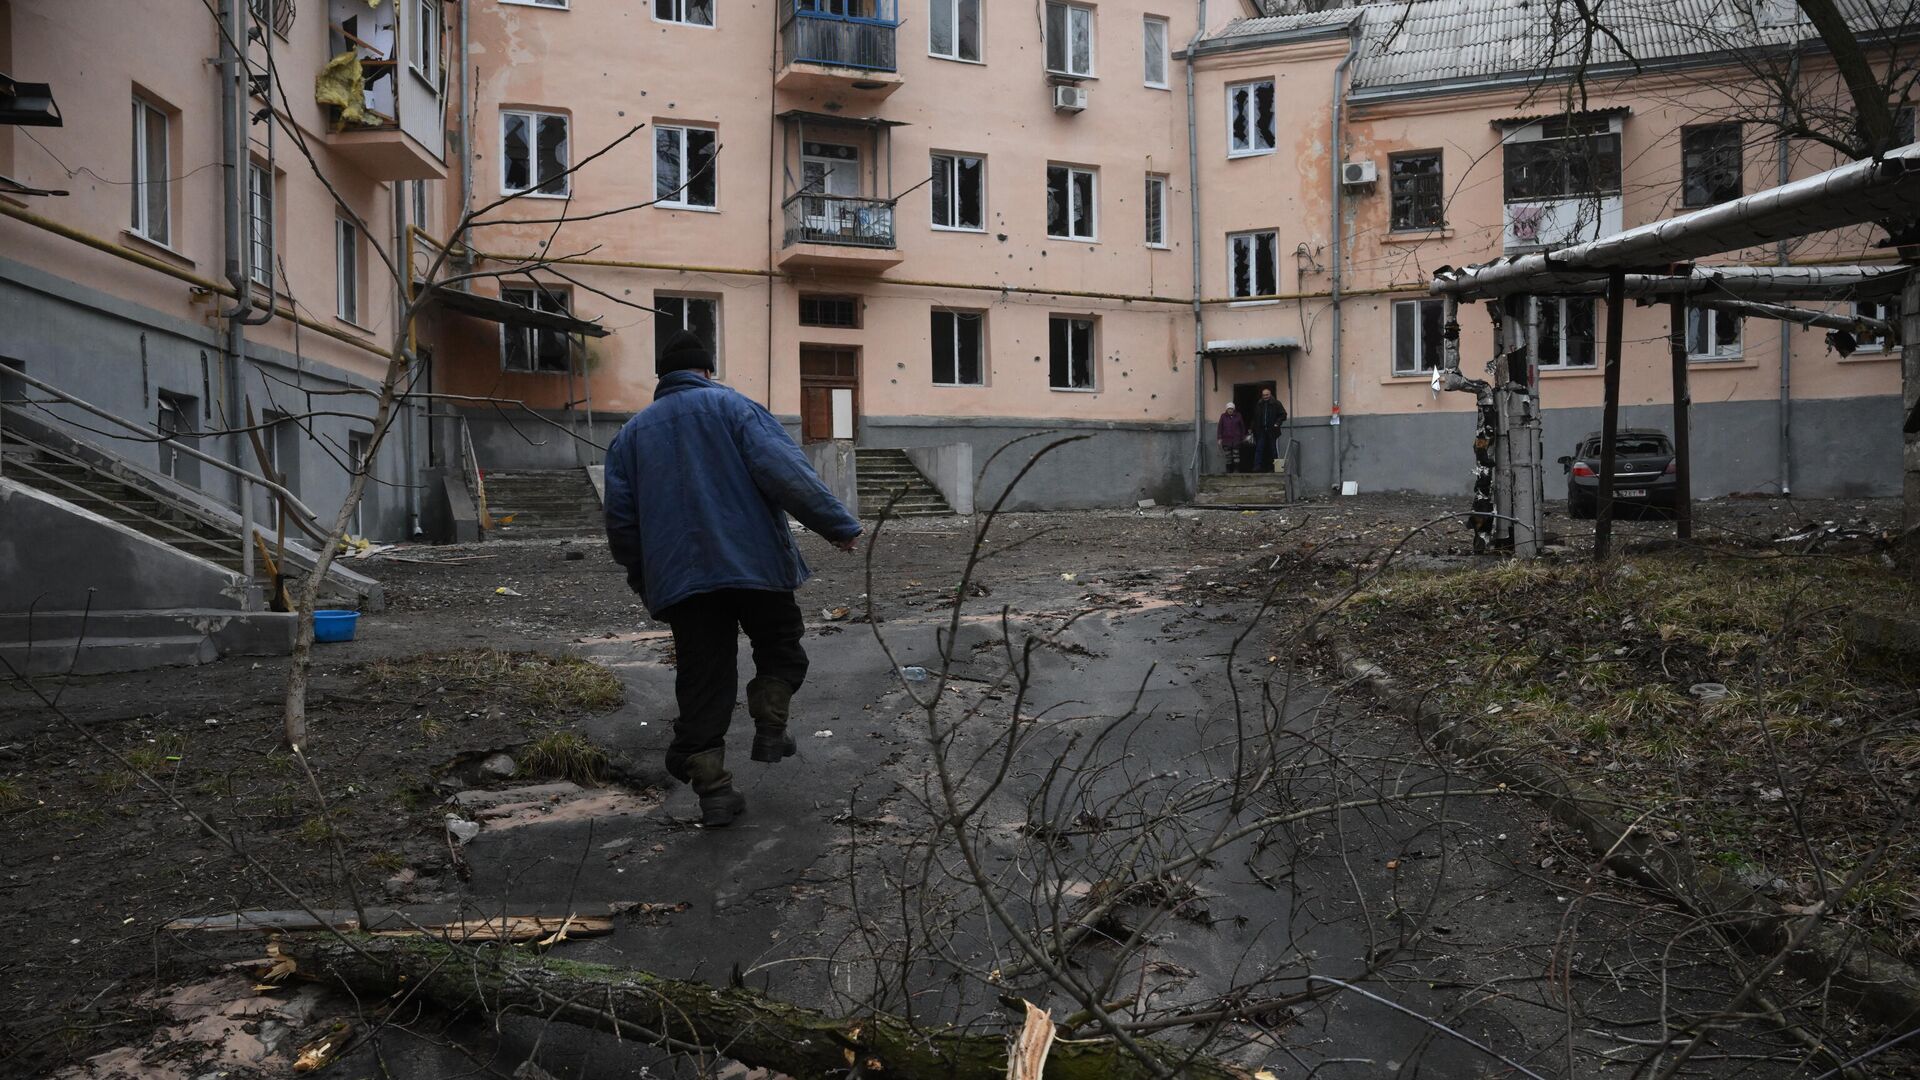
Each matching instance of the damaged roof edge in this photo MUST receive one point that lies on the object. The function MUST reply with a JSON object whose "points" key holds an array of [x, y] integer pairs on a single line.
{"points": [[1291, 36]]}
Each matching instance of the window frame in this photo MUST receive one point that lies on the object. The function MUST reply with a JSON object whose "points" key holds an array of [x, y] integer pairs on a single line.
{"points": [[426, 42], [1072, 10], [1147, 51], [1710, 333], [1394, 190], [685, 299], [261, 220], [681, 8], [1738, 165], [1563, 133], [550, 5], [1888, 310], [534, 182], [541, 297], [359, 457], [145, 113], [1093, 216], [954, 316], [685, 185], [1156, 200], [1560, 304], [417, 203], [1420, 370], [953, 159], [346, 271], [1092, 356], [1250, 87], [979, 31], [852, 300], [1252, 238]]}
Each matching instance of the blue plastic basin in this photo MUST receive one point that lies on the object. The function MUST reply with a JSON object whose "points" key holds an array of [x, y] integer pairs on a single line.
{"points": [[334, 625]]}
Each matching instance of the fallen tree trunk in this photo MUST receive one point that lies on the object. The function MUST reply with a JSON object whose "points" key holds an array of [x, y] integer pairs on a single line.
{"points": [[687, 1016]]}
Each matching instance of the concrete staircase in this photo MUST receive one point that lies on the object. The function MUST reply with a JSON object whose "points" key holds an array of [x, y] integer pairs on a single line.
{"points": [[1242, 489], [881, 473], [543, 502]]}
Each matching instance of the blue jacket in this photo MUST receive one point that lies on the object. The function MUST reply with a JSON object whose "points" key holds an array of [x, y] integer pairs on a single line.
{"points": [[699, 485]]}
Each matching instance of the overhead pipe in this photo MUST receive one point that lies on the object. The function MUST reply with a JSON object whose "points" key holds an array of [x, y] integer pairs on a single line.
{"points": [[1193, 241], [1335, 152]]}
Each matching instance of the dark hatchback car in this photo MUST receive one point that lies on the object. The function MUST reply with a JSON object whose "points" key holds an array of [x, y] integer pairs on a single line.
{"points": [[1643, 472]]}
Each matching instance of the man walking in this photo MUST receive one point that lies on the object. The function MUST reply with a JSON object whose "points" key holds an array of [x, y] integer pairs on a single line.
{"points": [[699, 485], [1268, 415]]}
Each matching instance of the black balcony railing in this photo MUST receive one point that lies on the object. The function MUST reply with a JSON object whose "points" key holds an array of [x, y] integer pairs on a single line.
{"points": [[814, 35], [840, 219]]}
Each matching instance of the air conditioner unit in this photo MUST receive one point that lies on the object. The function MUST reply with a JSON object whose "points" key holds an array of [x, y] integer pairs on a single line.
{"points": [[1069, 98], [1357, 173]]}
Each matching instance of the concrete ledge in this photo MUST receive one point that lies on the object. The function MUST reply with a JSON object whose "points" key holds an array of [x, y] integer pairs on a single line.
{"points": [[834, 461], [99, 642], [949, 469], [1880, 985]]}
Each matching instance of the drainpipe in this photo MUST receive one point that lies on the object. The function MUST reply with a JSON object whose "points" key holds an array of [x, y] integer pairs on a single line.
{"points": [[1339, 226], [408, 437], [232, 68], [466, 137], [1786, 331], [1193, 212]]}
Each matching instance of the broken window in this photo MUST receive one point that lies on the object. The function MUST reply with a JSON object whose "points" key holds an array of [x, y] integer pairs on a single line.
{"points": [[534, 152], [1418, 190], [426, 39], [1562, 158], [1251, 265], [1884, 310], [1154, 33], [1417, 336], [525, 348], [1250, 118], [1709, 164], [1712, 335], [691, 12], [683, 170], [346, 281], [1070, 203], [959, 191], [1070, 349], [842, 312], [260, 223], [152, 203], [954, 29], [1069, 39], [1567, 331], [959, 348], [699, 315], [1156, 210]]}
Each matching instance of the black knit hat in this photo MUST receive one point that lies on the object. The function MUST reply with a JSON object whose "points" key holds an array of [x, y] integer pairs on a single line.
{"points": [[682, 351]]}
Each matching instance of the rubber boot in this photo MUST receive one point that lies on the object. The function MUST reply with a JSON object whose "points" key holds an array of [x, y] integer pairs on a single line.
{"points": [[769, 702], [708, 776]]}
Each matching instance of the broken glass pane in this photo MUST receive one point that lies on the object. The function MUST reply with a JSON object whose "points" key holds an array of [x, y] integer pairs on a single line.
{"points": [[1263, 115], [703, 320], [703, 185], [969, 30], [1082, 204], [553, 155], [1263, 267], [968, 188], [1058, 367], [1432, 315], [943, 346], [1579, 333], [1242, 266], [1056, 200], [519, 175], [1082, 353], [700, 12], [967, 347], [666, 164], [1238, 120], [1405, 330], [942, 190]]}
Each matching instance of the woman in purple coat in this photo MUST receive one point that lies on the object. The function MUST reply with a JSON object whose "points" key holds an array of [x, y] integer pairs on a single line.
{"points": [[1233, 437]]}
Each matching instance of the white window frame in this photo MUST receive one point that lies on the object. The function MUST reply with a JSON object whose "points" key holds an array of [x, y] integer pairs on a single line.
{"points": [[418, 205], [1250, 88], [950, 161], [979, 30], [346, 270], [1885, 310], [953, 327], [1092, 358], [684, 187], [1093, 218], [148, 173], [556, 5], [719, 314], [1156, 196], [1711, 325], [545, 297], [359, 443], [1251, 240], [532, 190], [260, 199], [1558, 304], [1418, 343], [425, 57], [680, 10], [1082, 15], [1147, 50]]}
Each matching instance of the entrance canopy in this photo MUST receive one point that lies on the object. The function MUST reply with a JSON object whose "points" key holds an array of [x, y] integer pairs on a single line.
{"points": [[494, 309]]}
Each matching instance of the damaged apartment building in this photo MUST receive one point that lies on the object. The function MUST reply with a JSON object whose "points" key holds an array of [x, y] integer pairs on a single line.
{"points": [[914, 229]]}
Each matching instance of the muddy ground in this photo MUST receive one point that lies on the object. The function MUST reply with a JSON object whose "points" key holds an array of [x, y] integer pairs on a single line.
{"points": [[95, 863]]}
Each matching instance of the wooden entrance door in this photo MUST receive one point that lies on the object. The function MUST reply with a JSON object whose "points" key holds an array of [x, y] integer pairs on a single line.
{"points": [[829, 392]]}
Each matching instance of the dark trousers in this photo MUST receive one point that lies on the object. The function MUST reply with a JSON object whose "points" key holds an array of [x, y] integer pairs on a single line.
{"points": [[706, 644], [1265, 444]]}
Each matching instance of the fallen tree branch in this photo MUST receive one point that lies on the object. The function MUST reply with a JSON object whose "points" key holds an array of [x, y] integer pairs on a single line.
{"points": [[736, 1022]]}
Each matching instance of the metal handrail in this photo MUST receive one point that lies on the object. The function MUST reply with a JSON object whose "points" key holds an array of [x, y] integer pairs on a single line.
{"points": [[470, 462], [80, 403]]}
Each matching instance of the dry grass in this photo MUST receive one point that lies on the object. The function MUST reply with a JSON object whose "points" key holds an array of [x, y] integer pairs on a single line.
{"points": [[533, 680], [564, 755]]}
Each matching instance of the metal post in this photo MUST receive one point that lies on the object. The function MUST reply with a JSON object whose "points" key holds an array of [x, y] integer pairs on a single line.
{"points": [[1610, 414], [1682, 410], [1525, 439]]}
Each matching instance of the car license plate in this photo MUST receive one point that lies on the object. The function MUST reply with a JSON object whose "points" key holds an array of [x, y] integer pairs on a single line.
{"points": [[1631, 493]]}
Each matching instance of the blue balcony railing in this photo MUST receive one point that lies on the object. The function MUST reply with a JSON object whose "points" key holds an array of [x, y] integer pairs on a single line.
{"points": [[833, 32], [839, 219]]}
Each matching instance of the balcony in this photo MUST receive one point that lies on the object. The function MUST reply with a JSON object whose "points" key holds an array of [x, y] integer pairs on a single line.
{"points": [[839, 232], [1533, 224], [837, 46], [382, 101]]}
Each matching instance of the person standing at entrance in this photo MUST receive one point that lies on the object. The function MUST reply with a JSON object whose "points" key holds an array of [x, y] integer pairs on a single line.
{"points": [[699, 485], [1268, 415], [1232, 433]]}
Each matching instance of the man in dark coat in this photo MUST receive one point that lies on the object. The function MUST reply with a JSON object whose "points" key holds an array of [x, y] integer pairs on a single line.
{"points": [[1268, 415], [698, 488]]}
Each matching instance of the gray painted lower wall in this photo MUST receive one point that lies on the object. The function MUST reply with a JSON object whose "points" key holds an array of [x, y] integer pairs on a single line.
{"points": [[1115, 465], [122, 356], [57, 557]]}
